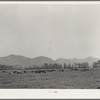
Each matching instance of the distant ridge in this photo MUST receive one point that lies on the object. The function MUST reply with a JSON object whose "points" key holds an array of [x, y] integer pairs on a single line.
{"points": [[90, 60], [19, 61]]}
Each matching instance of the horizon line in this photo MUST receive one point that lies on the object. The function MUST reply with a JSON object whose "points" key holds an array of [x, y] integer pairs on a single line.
{"points": [[49, 57]]}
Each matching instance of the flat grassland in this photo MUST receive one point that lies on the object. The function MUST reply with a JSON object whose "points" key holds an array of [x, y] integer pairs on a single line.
{"points": [[51, 80]]}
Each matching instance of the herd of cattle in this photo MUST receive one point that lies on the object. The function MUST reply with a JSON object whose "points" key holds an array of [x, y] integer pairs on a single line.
{"points": [[39, 71], [17, 72]]}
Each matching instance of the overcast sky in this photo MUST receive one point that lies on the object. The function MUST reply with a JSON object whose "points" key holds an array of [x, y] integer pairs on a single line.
{"points": [[52, 30]]}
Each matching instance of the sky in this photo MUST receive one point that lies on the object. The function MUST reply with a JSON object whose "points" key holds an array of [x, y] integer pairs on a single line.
{"points": [[51, 30]]}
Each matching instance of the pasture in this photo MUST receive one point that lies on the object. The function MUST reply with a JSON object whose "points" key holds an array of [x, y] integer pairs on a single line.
{"points": [[50, 79]]}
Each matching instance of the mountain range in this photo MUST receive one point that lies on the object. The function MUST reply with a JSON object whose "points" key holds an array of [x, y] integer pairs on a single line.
{"points": [[19, 61]]}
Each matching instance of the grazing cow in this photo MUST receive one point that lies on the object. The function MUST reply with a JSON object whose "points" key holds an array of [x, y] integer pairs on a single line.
{"points": [[14, 71], [76, 69], [25, 71], [40, 71], [49, 70], [19, 72], [61, 70], [32, 71], [3, 71], [11, 73], [36, 71], [43, 71]]}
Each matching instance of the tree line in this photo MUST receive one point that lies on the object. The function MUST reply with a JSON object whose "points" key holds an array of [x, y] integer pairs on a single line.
{"points": [[6, 67], [96, 64], [75, 66]]}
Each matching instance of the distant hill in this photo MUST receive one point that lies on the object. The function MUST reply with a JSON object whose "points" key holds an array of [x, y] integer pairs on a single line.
{"points": [[16, 60], [20, 62], [41, 60], [90, 60]]}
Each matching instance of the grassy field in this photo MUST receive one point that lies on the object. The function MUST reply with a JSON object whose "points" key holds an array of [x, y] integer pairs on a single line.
{"points": [[52, 80]]}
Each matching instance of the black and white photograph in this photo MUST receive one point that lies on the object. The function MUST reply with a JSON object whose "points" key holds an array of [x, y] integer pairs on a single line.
{"points": [[50, 46]]}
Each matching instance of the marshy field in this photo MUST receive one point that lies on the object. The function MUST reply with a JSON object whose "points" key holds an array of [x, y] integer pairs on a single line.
{"points": [[55, 79]]}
